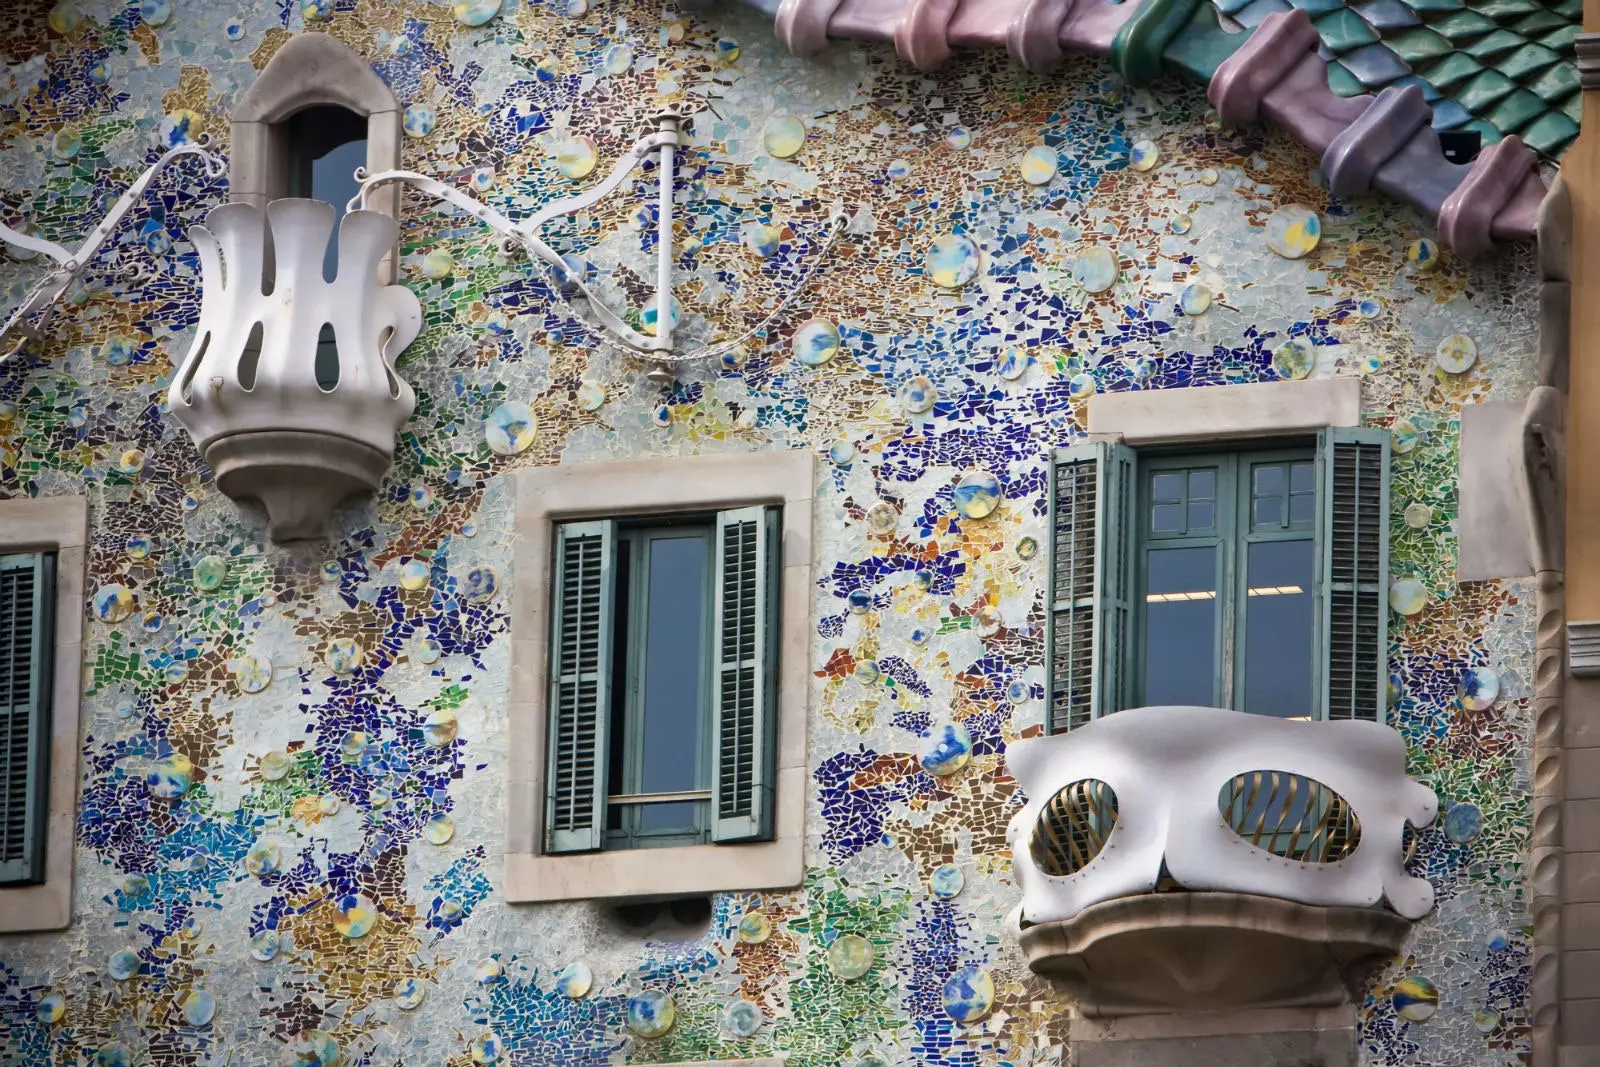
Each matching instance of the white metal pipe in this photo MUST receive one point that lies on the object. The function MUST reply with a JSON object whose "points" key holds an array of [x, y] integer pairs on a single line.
{"points": [[669, 124]]}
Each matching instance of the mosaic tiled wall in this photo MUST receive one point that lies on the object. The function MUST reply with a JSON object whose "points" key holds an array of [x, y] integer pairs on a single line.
{"points": [[270, 731]]}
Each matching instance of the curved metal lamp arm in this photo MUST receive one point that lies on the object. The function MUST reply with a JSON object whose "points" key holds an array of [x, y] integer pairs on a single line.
{"points": [[658, 348], [526, 233], [72, 264]]}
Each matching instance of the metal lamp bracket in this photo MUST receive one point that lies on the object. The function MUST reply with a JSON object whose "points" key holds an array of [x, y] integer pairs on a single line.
{"points": [[26, 323], [659, 349]]}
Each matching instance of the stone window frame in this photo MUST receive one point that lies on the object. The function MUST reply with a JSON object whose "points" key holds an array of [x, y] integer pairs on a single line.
{"points": [[58, 524], [548, 495], [312, 70]]}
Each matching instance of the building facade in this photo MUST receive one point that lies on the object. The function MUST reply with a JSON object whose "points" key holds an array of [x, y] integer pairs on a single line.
{"points": [[410, 666]]}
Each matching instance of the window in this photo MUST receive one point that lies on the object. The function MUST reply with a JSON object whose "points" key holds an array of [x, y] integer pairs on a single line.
{"points": [[42, 552], [657, 730], [661, 681], [27, 640], [326, 145], [1252, 579]]}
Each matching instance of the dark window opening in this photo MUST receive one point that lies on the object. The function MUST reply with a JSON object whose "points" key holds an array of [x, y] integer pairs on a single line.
{"points": [[326, 145]]}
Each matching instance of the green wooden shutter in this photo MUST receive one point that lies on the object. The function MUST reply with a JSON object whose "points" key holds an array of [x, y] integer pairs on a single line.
{"points": [[580, 682], [744, 689], [1353, 571], [27, 641], [1092, 497]]}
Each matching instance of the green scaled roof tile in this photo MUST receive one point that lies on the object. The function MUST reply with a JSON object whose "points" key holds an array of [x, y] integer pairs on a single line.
{"points": [[1485, 130], [1527, 61], [1342, 82], [1497, 43], [1484, 91], [1428, 6], [1455, 67], [1557, 83], [1571, 10], [1462, 26], [1538, 22], [1550, 133], [1516, 111], [1418, 45], [1503, 11], [1345, 30], [1561, 40], [1573, 108]]}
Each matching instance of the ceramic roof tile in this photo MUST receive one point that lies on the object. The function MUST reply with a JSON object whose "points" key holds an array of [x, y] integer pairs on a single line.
{"points": [[1344, 30], [1462, 26], [1516, 111], [1550, 134], [1557, 83], [1451, 70], [1418, 45], [1498, 43], [1526, 62], [1485, 90], [1447, 115], [1375, 66], [1342, 82], [1388, 14]]}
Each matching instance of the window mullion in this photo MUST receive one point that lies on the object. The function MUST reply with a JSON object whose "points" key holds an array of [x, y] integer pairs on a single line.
{"points": [[1229, 523], [633, 716]]}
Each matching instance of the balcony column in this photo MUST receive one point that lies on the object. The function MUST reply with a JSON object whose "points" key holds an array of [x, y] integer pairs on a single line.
{"points": [[1566, 1003]]}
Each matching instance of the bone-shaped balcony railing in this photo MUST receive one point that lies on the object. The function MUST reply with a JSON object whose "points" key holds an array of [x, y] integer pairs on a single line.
{"points": [[1311, 812]]}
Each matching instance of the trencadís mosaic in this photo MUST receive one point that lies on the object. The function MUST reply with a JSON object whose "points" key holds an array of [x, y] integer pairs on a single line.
{"points": [[293, 759]]}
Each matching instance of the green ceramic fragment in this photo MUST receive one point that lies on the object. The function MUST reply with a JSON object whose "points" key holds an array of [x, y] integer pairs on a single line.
{"points": [[1344, 30], [1497, 43], [1573, 108], [1461, 26], [1342, 82], [1526, 62], [1516, 111], [1202, 45], [1418, 45], [1556, 83], [1571, 10], [1550, 133], [1137, 47], [1453, 68], [1484, 91], [1426, 7]]}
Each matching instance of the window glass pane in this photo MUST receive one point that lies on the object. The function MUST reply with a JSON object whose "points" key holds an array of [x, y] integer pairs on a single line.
{"points": [[333, 180], [1166, 488], [1180, 626], [1302, 494], [1277, 640], [673, 657], [1166, 518], [1266, 495], [1202, 501], [659, 817]]}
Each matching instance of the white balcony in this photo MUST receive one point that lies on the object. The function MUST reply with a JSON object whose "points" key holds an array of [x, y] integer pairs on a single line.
{"points": [[1197, 859], [277, 422]]}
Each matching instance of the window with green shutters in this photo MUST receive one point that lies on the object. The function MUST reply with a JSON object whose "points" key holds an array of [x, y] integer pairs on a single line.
{"points": [[663, 681], [27, 639], [1252, 579]]}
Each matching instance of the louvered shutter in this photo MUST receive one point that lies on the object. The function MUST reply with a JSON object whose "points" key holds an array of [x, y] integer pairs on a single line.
{"points": [[1091, 581], [580, 682], [1353, 572], [27, 640], [745, 661]]}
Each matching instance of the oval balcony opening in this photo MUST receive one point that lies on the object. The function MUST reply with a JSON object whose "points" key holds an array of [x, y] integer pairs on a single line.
{"points": [[1290, 815], [1074, 827]]}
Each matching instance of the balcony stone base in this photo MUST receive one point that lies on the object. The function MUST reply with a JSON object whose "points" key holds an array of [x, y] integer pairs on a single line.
{"points": [[299, 477], [1205, 952]]}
